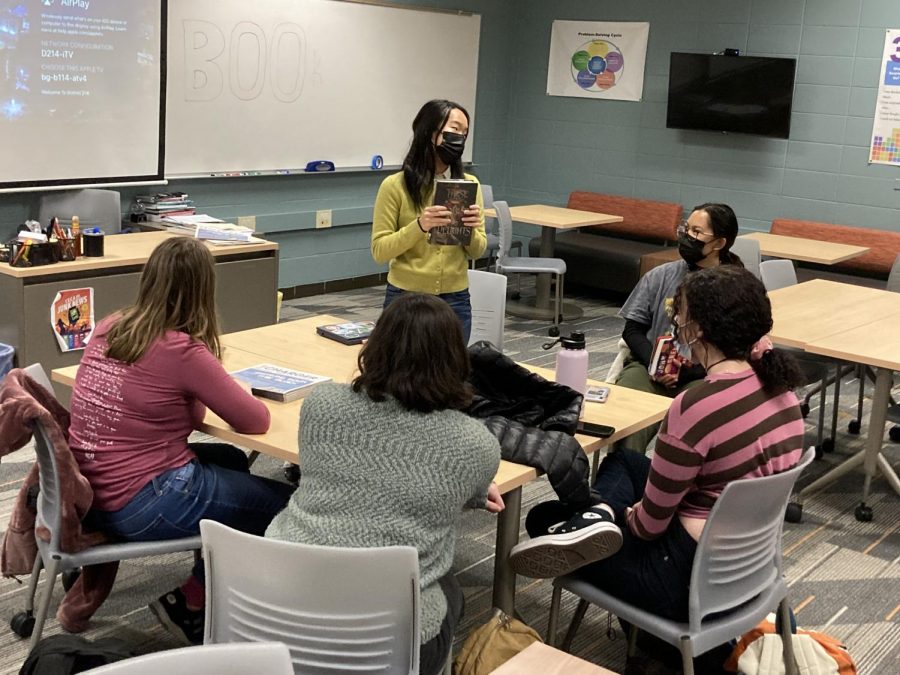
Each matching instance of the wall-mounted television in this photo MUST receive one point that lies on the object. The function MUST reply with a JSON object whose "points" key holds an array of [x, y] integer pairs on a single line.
{"points": [[740, 94]]}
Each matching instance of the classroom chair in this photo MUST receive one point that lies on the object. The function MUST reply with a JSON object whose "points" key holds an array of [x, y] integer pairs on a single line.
{"points": [[271, 658], [748, 251], [54, 560], [737, 577], [509, 265], [487, 294], [337, 609], [490, 230], [94, 208]]}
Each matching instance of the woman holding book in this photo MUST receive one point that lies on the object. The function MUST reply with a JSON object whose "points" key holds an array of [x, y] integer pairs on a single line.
{"points": [[704, 241], [741, 422], [390, 460], [405, 214], [145, 381]]}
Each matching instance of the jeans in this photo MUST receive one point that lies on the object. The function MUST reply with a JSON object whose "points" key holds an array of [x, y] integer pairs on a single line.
{"points": [[654, 575], [216, 486], [458, 301]]}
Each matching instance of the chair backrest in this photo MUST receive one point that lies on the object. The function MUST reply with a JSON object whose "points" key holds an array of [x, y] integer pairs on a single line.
{"points": [[37, 373], [487, 196], [487, 294], [748, 251], [49, 507], [271, 658], [94, 208], [777, 274], [504, 220], [739, 553], [337, 609], [893, 282]]}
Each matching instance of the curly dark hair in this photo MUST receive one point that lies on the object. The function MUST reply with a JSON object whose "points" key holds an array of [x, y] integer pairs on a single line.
{"points": [[732, 309], [724, 224], [417, 355]]}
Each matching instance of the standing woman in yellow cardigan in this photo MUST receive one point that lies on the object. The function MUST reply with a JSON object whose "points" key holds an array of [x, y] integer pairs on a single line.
{"points": [[404, 214]]}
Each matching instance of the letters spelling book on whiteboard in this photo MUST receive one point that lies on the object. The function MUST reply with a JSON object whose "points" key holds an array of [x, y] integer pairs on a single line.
{"points": [[279, 384]]}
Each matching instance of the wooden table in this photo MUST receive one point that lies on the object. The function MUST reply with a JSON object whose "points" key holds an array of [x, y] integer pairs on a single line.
{"points": [[848, 323], [295, 345], [246, 285], [551, 219], [541, 659], [805, 250]]}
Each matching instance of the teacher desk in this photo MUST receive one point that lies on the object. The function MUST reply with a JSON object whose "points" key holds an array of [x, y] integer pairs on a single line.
{"points": [[246, 285], [295, 344]]}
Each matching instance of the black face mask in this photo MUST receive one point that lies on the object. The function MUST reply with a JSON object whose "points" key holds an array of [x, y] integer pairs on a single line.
{"points": [[691, 249], [451, 148]]}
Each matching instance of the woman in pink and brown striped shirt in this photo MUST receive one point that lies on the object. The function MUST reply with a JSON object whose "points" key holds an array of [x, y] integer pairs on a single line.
{"points": [[742, 422]]}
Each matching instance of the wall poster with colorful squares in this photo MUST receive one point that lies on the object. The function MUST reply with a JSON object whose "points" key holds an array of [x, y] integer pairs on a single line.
{"points": [[594, 59], [886, 126]]}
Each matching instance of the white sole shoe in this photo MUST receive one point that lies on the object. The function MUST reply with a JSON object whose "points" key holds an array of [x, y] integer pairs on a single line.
{"points": [[554, 555]]}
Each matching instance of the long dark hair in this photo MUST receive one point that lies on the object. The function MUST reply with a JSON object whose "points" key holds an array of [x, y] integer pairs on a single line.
{"points": [[732, 309], [724, 224], [418, 167], [416, 354]]}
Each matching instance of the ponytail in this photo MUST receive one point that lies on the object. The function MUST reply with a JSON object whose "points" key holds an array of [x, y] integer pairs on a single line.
{"points": [[778, 371]]}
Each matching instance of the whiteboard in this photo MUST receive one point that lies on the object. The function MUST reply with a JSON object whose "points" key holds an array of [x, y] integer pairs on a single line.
{"points": [[269, 86]]}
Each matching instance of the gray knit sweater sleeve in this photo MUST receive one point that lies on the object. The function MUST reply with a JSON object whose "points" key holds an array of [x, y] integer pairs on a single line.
{"points": [[376, 474]]}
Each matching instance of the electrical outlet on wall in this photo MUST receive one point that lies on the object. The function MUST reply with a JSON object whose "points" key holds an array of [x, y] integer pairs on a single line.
{"points": [[323, 218]]}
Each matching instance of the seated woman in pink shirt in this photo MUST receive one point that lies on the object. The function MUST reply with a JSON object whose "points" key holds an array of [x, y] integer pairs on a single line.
{"points": [[145, 381], [742, 421]]}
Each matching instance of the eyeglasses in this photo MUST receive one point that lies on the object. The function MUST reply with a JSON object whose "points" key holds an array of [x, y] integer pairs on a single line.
{"points": [[692, 231]]}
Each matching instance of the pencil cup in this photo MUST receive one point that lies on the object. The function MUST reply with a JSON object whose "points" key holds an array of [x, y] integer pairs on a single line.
{"points": [[92, 244]]}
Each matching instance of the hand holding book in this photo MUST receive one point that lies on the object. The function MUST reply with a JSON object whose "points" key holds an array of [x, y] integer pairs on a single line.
{"points": [[454, 204]]}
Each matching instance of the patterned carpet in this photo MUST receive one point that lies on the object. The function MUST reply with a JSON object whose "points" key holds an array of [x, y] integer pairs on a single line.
{"points": [[844, 575]]}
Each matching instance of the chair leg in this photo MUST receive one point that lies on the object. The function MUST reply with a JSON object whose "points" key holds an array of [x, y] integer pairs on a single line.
{"points": [[448, 667], [33, 582], [44, 606], [787, 642], [575, 625], [553, 620], [687, 657]]}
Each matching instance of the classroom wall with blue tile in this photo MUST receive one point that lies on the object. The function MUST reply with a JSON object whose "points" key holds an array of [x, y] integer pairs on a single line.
{"points": [[537, 148]]}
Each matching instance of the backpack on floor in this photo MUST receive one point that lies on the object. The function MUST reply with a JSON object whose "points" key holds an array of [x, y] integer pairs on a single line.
{"points": [[490, 646], [64, 654], [759, 653]]}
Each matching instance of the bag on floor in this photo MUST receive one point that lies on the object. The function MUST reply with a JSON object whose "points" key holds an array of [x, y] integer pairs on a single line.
{"points": [[64, 654], [759, 653], [490, 646]]}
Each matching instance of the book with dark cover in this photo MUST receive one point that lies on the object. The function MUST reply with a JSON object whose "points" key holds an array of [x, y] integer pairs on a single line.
{"points": [[665, 359], [278, 384], [350, 333], [456, 195]]}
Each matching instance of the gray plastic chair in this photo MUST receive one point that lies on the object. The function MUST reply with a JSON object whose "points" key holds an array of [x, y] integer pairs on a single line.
{"points": [[777, 274], [49, 514], [748, 251], [509, 265], [337, 609], [490, 230], [893, 282], [94, 208], [270, 658], [893, 413], [487, 293], [736, 579]]}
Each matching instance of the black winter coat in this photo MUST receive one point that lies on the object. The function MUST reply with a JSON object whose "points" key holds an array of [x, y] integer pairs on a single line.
{"points": [[533, 419]]}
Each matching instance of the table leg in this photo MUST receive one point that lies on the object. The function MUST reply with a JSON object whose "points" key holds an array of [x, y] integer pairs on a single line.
{"points": [[507, 536], [542, 284]]}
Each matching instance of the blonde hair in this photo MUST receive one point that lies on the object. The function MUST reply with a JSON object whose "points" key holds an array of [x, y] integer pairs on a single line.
{"points": [[177, 292]]}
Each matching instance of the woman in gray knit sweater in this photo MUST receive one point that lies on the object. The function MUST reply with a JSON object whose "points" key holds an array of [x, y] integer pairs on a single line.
{"points": [[391, 461]]}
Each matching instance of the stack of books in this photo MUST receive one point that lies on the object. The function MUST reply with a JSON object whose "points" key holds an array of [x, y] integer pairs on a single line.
{"points": [[157, 207]]}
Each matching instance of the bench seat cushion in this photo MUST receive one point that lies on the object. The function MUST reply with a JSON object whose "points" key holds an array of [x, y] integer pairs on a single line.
{"points": [[642, 218]]}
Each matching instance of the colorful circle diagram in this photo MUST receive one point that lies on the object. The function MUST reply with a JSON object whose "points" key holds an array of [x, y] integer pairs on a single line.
{"points": [[597, 65]]}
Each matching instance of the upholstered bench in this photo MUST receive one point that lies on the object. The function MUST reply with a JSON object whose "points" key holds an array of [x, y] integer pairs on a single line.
{"points": [[608, 257]]}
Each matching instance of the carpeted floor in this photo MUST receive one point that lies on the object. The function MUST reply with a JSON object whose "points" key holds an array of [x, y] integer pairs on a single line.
{"points": [[844, 575]]}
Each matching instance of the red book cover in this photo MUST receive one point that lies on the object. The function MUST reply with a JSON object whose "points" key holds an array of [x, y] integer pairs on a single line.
{"points": [[665, 360]]}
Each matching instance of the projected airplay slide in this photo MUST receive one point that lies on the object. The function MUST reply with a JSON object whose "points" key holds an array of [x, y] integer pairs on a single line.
{"points": [[79, 90]]}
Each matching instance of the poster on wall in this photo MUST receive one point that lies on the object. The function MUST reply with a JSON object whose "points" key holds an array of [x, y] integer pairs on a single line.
{"points": [[72, 318], [597, 59], [885, 148]]}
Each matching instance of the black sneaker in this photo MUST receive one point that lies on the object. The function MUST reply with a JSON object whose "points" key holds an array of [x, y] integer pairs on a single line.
{"points": [[172, 612], [585, 538]]}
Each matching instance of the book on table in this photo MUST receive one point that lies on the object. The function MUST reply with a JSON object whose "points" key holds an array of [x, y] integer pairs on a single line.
{"points": [[277, 383], [350, 333], [665, 359], [457, 195]]}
